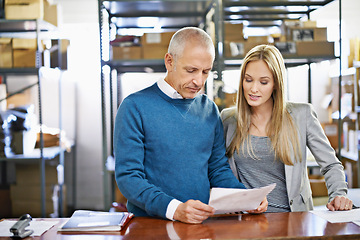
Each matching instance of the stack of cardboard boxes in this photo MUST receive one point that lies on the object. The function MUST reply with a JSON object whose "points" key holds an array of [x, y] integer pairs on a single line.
{"points": [[150, 46], [25, 194], [22, 52], [297, 39]]}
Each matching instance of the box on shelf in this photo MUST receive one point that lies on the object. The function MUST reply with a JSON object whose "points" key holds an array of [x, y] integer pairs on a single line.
{"points": [[354, 54], [24, 52], [52, 13], [5, 202], [308, 34], [131, 52], [6, 60], [20, 99], [154, 51], [155, 45], [318, 186], [233, 32], [29, 174], [313, 49], [24, 9], [162, 38], [331, 131]]}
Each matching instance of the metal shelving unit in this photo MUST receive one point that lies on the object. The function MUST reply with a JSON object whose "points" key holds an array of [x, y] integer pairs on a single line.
{"points": [[172, 15], [39, 30]]}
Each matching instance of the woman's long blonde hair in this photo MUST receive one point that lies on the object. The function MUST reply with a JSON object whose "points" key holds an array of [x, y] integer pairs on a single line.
{"points": [[281, 129]]}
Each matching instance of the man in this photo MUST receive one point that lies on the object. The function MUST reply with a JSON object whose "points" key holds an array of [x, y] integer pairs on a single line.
{"points": [[168, 139]]}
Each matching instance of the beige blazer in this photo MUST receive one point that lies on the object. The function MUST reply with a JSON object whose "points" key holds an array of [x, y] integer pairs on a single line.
{"points": [[311, 135]]}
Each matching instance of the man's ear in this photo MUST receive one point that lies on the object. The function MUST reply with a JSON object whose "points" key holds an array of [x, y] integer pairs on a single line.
{"points": [[169, 62]]}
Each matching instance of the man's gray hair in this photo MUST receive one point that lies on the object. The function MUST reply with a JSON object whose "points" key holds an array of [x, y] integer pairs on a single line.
{"points": [[179, 39]]}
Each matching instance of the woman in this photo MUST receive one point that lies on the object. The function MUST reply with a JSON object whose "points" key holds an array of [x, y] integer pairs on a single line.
{"points": [[266, 138]]}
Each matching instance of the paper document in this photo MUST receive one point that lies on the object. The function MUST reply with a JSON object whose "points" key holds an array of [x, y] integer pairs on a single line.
{"points": [[39, 227], [230, 200], [339, 216]]}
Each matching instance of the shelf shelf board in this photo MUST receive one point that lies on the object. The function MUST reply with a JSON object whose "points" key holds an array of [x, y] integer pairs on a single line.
{"points": [[349, 155], [19, 71], [290, 61], [48, 154], [26, 25]]}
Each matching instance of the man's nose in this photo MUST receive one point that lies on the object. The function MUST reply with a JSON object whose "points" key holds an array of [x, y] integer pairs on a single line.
{"points": [[199, 79]]}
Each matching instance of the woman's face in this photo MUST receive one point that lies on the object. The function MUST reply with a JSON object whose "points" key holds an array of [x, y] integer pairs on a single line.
{"points": [[258, 84]]}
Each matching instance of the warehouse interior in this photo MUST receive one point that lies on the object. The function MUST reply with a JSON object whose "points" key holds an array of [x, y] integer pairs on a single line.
{"points": [[75, 101]]}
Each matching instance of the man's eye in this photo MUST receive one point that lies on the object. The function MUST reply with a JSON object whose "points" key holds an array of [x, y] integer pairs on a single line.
{"points": [[190, 70]]}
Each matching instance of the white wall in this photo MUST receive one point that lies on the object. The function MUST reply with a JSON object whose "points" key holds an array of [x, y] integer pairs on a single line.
{"points": [[80, 25]]}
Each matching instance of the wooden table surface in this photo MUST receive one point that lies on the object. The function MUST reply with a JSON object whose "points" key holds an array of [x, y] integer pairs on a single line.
{"points": [[300, 225]]}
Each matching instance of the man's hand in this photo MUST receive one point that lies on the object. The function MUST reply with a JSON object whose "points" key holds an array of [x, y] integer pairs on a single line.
{"points": [[340, 204], [193, 211], [262, 207]]}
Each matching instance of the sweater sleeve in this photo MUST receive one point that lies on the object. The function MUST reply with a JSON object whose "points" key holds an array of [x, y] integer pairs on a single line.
{"points": [[220, 174], [325, 156], [129, 157]]}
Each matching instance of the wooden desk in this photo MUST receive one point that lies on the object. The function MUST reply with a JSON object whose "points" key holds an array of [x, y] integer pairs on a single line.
{"points": [[301, 225]]}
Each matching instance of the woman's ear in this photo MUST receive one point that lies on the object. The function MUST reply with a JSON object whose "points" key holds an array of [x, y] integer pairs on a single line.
{"points": [[169, 62]]}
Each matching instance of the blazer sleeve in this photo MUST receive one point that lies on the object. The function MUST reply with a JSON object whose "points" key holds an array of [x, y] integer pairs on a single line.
{"points": [[324, 154]]}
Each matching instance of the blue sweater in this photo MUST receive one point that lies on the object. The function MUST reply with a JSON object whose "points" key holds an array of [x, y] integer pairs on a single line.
{"points": [[168, 148]]}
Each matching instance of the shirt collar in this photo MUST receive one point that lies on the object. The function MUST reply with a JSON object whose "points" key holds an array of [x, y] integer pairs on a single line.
{"points": [[168, 90]]}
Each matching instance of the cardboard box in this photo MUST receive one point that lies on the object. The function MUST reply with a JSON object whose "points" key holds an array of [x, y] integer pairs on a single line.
{"points": [[6, 59], [331, 131], [5, 202], [29, 174], [20, 99], [24, 53], [230, 99], [52, 13], [24, 9], [233, 32], [248, 45], [154, 51], [30, 192], [310, 49], [132, 52], [29, 200], [157, 38], [258, 39], [318, 186], [309, 34]]}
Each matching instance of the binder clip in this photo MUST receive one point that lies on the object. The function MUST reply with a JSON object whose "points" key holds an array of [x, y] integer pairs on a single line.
{"points": [[18, 229]]}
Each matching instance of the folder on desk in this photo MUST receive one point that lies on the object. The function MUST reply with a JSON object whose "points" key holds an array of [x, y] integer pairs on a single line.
{"points": [[94, 221]]}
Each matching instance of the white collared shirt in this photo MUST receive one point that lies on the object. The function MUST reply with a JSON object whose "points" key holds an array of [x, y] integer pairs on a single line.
{"points": [[168, 90], [172, 93]]}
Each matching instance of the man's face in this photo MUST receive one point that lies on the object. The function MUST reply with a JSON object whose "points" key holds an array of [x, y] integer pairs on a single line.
{"points": [[188, 74]]}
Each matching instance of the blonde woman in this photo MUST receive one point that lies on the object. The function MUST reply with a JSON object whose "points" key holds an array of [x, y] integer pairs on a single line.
{"points": [[266, 138]]}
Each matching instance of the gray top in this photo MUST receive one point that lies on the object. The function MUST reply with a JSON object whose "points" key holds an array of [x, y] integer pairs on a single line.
{"points": [[263, 171], [311, 135]]}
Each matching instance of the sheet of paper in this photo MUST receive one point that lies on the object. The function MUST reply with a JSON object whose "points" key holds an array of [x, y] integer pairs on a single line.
{"points": [[39, 227], [230, 200], [339, 216], [357, 223]]}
